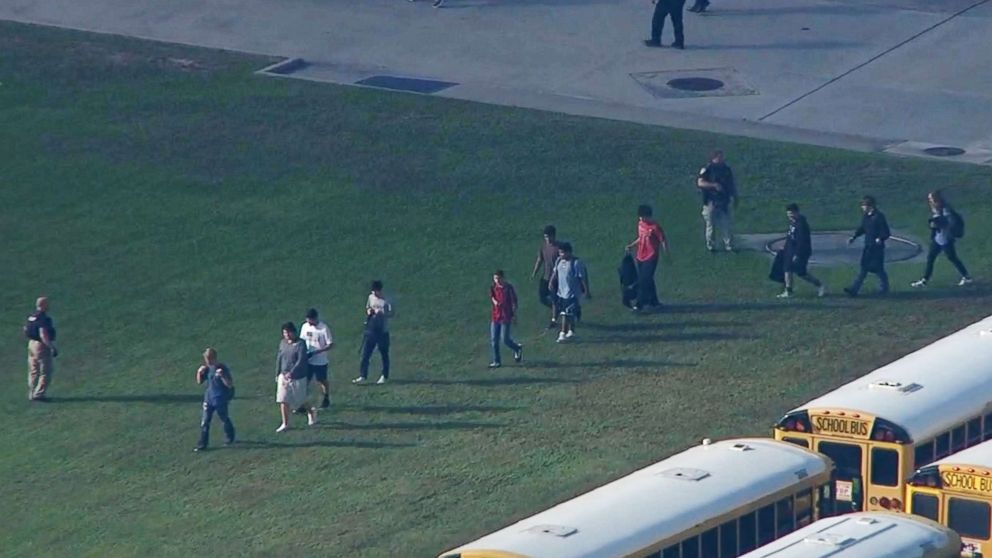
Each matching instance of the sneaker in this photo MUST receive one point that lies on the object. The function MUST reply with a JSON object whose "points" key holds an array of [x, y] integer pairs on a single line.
{"points": [[570, 334], [784, 294], [561, 337], [965, 281], [312, 418], [358, 380], [518, 355], [282, 428], [919, 283], [438, 3], [652, 43], [681, 46], [198, 449], [325, 403], [494, 365], [381, 380], [821, 291]]}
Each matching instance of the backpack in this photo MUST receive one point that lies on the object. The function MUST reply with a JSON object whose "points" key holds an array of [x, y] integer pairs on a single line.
{"points": [[957, 224], [32, 327]]}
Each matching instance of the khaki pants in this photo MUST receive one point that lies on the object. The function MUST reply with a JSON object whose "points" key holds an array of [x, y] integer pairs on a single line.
{"points": [[718, 219], [40, 369]]}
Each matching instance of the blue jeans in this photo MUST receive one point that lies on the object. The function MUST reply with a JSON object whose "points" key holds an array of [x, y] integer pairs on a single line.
{"points": [[496, 332], [208, 414], [372, 342]]}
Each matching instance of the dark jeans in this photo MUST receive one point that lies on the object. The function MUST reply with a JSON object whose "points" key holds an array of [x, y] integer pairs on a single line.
{"points": [[647, 292], [208, 414], [883, 280], [952, 255], [672, 9], [501, 332], [544, 294], [381, 341]]}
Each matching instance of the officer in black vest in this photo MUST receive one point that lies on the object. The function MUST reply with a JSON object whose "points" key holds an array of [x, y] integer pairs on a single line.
{"points": [[875, 229], [39, 329], [672, 9]]}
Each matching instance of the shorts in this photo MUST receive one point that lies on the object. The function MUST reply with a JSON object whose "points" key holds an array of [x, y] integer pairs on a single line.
{"points": [[569, 307], [291, 392], [318, 371]]}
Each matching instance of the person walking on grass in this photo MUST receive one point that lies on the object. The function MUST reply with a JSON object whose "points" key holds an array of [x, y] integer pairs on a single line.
{"points": [[220, 390], [796, 253], [378, 311], [547, 255], [875, 229], [946, 227], [504, 300], [319, 341], [39, 329], [291, 377], [650, 237], [716, 183], [573, 281]]}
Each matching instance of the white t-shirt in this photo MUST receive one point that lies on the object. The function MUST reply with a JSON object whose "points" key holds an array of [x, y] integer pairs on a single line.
{"points": [[382, 306], [316, 337]]}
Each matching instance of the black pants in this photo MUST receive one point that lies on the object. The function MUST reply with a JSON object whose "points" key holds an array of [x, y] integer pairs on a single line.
{"points": [[544, 294], [380, 341], [647, 292], [672, 9], [883, 280], [208, 415], [952, 255]]}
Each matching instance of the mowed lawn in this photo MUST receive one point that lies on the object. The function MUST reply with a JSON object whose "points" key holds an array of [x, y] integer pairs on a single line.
{"points": [[167, 199]]}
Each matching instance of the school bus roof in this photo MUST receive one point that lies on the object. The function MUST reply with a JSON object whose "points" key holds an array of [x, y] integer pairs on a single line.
{"points": [[928, 391], [658, 501], [975, 456]]}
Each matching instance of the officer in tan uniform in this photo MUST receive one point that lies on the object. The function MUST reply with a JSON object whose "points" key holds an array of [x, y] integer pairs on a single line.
{"points": [[40, 332]]}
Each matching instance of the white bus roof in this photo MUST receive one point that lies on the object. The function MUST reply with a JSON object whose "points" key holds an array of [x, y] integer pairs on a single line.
{"points": [[928, 391], [975, 456], [658, 501], [865, 535]]}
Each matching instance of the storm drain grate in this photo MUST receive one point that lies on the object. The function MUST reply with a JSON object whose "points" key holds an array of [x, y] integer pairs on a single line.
{"points": [[943, 151], [695, 84], [414, 85]]}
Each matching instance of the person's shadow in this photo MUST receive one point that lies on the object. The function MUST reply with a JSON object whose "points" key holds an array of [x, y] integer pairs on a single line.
{"points": [[155, 398]]}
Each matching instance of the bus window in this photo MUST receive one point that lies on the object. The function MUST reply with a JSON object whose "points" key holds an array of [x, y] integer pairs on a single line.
{"points": [[690, 548], [766, 524], [943, 445], [785, 519], [957, 439], [710, 542], [926, 505], [728, 540], [988, 427], [970, 518], [654, 555], [847, 457], [884, 467], [804, 508], [798, 441], [923, 454], [747, 533], [671, 552]]}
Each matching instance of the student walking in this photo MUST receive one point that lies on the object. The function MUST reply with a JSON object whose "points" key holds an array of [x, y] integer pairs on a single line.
{"points": [[719, 190], [378, 311], [673, 10], [319, 341], [503, 297], [291, 377], [39, 330], [573, 281], [650, 237], [946, 227], [220, 390], [547, 255], [796, 253], [875, 229]]}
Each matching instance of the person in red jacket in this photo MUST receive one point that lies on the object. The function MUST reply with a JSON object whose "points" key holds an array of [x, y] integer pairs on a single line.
{"points": [[504, 301]]}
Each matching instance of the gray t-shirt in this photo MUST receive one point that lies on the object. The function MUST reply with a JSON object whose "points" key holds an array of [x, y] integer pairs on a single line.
{"points": [[570, 274], [292, 358], [548, 255]]}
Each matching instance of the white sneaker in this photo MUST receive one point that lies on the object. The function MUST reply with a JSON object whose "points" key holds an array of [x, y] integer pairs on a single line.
{"points": [[358, 380], [784, 294], [920, 283], [570, 334], [821, 291], [965, 281], [312, 418], [282, 428], [561, 337], [381, 380]]}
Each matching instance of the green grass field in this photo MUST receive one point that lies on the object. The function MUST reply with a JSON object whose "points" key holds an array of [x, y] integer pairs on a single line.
{"points": [[165, 199]]}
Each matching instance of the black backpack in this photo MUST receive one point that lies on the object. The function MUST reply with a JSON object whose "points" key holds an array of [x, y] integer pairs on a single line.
{"points": [[32, 326], [957, 224]]}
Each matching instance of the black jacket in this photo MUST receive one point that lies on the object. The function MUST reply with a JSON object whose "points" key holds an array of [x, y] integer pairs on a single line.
{"points": [[798, 242], [875, 229]]}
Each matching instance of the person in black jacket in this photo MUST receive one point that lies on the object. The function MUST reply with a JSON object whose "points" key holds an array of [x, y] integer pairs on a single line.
{"points": [[795, 255], [946, 227], [875, 229], [662, 9]]}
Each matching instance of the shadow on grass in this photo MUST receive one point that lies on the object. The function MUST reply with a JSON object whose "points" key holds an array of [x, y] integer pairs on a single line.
{"points": [[492, 381], [728, 307], [160, 398], [672, 337], [433, 410], [646, 326], [937, 293], [258, 445], [616, 363], [447, 425]]}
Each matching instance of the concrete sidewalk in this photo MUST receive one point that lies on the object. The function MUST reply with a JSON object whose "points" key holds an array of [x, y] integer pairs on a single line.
{"points": [[884, 75]]}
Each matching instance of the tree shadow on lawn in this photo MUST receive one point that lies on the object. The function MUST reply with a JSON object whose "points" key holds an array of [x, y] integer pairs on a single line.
{"points": [[726, 307], [616, 363], [258, 445], [673, 337], [491, 381], [937, 293], [160, 398], [447, 425], [431, 410], [646, 326]]}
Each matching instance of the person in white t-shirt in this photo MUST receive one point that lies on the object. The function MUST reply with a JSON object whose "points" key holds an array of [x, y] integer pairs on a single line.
{"points": [[319, 340], [378, 310]]}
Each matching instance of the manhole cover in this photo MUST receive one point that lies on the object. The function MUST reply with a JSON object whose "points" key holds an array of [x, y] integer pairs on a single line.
{"points": [[695, 84], [832, 249], [944, 151]]}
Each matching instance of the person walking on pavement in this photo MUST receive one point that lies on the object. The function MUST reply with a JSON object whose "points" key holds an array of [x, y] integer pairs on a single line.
{"points": [[700, 6], [378, 311], [572, 279], [796, 253], [946, 226], [650, 237], [547, 255], [319, 341], [220, 390], [673, 10], [504, 300], [719, 190], [875, 229], [291, 377], [39, 329]]}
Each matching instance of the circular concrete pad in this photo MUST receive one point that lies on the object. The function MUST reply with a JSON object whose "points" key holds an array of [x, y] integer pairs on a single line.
{"points": [[833, 249], [944, 151], [695, 84]]}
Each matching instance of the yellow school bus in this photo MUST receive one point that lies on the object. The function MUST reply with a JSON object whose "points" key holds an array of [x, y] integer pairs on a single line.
{"points": [[880, 428], [957, 492]]}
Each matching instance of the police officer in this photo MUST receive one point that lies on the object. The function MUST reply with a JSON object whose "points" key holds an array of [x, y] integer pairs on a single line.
{"points": [[40, 332], [672, 9], [219, 392], [716, 183], [875, 229]]}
